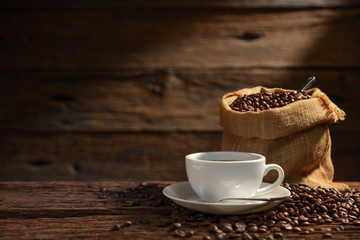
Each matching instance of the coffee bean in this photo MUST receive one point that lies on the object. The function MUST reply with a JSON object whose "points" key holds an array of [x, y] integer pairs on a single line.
{"points": [[298, 96], [339, 228], [328, 220], [127, 224], [247, 236], [344, 221], [278, 235], [305, 223], [327, 235], [256, 236], [262, 230], [220, 235], [266, 100], [342, 214], [303, 219], [271, 223], [240, 227], [227, 228], [174, 226], [288, 227], [189, 233], [234, 236], [179, 233], [323, 208], [116, 227], [353, 213], [356, 222], [207, 237], [334, 215], [275, 229], [252, 227], [214, 228], [352, 217]]}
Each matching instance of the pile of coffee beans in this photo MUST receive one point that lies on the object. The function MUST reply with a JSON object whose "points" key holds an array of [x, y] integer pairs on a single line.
{"points": [[310, 210], [266, 100]]}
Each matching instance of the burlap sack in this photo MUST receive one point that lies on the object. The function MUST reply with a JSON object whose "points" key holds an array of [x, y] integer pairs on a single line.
{"points": [[295, 136]]}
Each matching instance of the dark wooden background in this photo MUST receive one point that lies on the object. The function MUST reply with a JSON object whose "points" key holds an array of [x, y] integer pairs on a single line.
{"points": [[123, 90]]}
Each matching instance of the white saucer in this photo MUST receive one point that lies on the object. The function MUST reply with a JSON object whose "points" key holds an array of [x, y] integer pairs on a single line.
{"points": [[182, 194]]}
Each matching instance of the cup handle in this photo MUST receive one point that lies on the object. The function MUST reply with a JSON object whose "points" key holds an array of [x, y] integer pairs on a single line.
{"points": [[278, 181]]}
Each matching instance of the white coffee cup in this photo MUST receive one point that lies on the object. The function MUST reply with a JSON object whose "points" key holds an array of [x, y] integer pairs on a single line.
{"points": [[218, 175]]}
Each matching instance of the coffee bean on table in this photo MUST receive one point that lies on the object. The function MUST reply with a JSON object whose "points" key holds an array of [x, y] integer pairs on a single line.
{"points": [[305, 223], [356, 222], [214, 228], [116, 227], [339, 228], [179, 233], [278, 235], [275, 229], [262, 229], [189, 234], [252, 228], [308, 206], [288, 227], [220, 235], [270, 237], [174, 226], [325, 229], [127, 224], [344, 221], [234, 236], [271, 223], [247, 236], [226, 228], [327, 235], [303, 219], [255, 236], [240, 227]]}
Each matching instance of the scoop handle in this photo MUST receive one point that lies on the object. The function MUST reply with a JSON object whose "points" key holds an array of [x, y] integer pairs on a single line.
{"points": [[307, 84]]}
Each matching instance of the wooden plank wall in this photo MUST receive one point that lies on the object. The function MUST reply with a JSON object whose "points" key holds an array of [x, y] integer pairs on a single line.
{"points": [[123, 90]]}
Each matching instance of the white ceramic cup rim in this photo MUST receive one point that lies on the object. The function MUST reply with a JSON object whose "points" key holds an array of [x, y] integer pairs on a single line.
{"points": [[221, 157]]}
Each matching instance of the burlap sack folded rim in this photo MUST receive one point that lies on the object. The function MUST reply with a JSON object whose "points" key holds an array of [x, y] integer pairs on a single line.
{"points": [[278, 122]]}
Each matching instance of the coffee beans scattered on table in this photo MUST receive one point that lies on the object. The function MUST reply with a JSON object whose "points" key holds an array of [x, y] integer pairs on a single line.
{"points": [[309, 211], [266, 100]]}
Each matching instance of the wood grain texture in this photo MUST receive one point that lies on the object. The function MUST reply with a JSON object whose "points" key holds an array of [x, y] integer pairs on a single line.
{"points": [[123, 90], [129, 156], [178, 4], [180, 39], [103, 156], [88, 210], [145, 100]]}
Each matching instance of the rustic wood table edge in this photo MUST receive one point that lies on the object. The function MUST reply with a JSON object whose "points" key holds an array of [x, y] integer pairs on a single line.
{"points": [[120, 210]]}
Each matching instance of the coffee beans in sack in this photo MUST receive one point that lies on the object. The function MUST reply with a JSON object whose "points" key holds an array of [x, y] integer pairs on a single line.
{"points": [[289, 128]]}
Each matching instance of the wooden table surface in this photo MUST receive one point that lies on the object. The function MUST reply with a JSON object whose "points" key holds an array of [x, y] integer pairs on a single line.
{"points": [[102, 210]]}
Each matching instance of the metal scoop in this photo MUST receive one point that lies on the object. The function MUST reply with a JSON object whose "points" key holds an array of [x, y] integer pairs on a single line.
{"points": [[269, 199], [307, 84]]}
